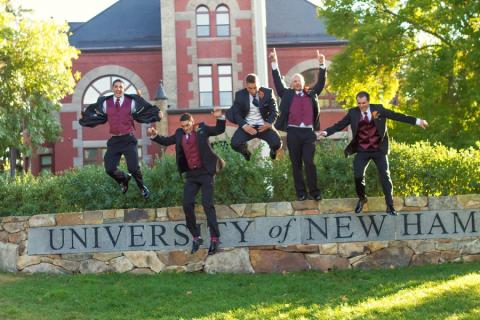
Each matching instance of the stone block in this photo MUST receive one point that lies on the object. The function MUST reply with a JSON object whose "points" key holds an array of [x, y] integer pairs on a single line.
{"points": [[225, 212], [418, 202], [305, 205], [305, 248], [181, 258], [17, 237], [386, 258], [449, 255], [308, 212], [42, 220], [106, 256], [71, 266], [337, 205], [442, 203], [13, 227], [25, 261], [472, 247], [93, 217], [77, 256], [92, 266], [234, 261], [109, 214], [375, 204], [468, 201], [8, 257], [352, 249], [142, 271], [328, 248], [255, 210], [121, 264], [139, 215], [279, 209], [471, 258], [4, 236], [327, 262], [44, 268], [194, 267], [426, 258], [421, 246], [277, 261], [239, 209], [162, 214], [373, 246], [175, 214], [145, 259], [69, 219]]}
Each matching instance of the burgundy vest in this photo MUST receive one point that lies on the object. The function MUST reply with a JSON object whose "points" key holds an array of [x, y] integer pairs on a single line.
{"points": [[301, 110], [192, 151], [367, 135], [120, 119]]}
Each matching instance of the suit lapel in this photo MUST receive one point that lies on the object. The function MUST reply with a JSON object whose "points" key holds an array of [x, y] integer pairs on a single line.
{"points": [[380, 122], [355, 119]]}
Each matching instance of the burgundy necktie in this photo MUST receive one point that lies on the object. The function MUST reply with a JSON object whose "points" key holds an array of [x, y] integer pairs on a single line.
{"points": [[117, 103], [365, 116]]}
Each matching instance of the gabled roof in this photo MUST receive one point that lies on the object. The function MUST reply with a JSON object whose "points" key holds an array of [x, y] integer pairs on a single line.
{"points": [[135, 24], [127, 24], [295, 22]]}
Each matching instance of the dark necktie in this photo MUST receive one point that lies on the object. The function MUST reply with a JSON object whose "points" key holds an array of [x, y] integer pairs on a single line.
{"points": [[117, 103], [365, 116], [255, 102]]}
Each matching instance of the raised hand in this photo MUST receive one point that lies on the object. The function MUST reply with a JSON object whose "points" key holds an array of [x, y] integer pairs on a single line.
{"points": [[217, 112], [320, 57], [273, 56]]}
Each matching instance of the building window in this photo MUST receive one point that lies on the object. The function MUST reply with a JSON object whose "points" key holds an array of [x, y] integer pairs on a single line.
{"points": [[203, 22], [93, 155], [46, 163], [222, 21], [325, 101], [103, 87], [225, 85], [205, 86]]}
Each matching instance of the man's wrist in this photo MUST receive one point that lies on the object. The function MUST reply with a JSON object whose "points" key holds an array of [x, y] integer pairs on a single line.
{"points": [[274, 65]]}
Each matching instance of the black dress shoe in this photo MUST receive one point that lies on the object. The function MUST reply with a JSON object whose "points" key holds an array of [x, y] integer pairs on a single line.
{"points": [[391, 210], [145, 192], [196, 245], [303, 197], [360, 204], [273, 154], [317, 197], [213, 247], [247, 155], [124, 185]]}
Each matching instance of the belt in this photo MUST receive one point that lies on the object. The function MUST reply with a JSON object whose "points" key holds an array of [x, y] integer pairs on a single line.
{"points": [[121, 135]]}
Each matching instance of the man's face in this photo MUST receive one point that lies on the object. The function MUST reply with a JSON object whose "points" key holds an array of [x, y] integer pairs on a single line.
{"points": [[187, 126], [298, 82], [363, 103], [252, 88], [118, 89]]}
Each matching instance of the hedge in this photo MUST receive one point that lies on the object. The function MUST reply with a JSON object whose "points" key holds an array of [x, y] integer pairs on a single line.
{"points": [[419, 169]]}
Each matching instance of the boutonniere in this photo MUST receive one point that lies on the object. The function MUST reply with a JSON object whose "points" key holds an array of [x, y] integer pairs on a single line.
{"points": [[261, 94], [375, 114]]}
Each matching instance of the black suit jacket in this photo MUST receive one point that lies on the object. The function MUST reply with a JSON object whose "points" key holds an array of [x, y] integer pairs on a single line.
{"points": [[241, 106], [211, 161], [94, 115], [380, 116], [287, 95]]}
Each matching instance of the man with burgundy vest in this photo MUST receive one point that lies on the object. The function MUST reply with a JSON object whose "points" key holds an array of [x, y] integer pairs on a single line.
{"points": [[196, 158], [299, 117], [370, 142], [119, 111], [254, 110]]}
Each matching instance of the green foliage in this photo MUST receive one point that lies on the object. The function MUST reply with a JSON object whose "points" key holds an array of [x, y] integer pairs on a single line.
{"points": [[425, 52], [35, 74], [419, 169]]}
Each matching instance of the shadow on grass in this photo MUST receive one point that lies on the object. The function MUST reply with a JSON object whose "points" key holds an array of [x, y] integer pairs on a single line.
{"points": [[406, 293]]}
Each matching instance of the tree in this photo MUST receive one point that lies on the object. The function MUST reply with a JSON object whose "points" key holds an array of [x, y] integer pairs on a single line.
{"points": [[35, 74], [424, 54]]}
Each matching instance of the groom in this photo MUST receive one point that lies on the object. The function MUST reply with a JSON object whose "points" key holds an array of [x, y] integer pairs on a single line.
{"points": [[370, 142]]}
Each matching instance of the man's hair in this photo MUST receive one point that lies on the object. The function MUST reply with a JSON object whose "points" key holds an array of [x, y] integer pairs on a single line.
{"points": [[117, 80], [363, 94], [251, 78], [186, 117]]}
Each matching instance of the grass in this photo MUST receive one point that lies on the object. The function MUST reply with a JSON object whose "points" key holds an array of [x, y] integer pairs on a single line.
{"points": [[449, 291]]}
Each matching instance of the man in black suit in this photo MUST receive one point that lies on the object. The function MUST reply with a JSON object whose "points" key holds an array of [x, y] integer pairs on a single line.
{"points": [[196, 158], [299, 117], [370, 142], [254, 110]]}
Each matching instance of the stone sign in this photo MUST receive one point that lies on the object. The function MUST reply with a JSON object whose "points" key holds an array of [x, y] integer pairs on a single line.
{"points": [[259, 231]]}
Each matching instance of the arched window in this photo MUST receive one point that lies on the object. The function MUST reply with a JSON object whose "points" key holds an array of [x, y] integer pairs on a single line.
{"points": [[103, 87], [325, 99], [203, 22], [222, 21]]}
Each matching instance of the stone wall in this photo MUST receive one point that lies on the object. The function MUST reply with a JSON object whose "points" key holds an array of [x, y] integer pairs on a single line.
{"points": [[436, 247]]}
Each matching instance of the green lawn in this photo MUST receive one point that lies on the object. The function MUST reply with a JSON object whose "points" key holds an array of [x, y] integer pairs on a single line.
{"points": [[450, 291]]}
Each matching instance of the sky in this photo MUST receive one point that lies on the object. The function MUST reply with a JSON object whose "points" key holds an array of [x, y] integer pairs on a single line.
{"points": [[70, 10]]}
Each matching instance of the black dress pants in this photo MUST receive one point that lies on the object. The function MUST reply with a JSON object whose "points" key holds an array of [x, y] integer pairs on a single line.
{"points": [[196, 180], [125, 145], [360, 164], [240, 139], [301, 149]]}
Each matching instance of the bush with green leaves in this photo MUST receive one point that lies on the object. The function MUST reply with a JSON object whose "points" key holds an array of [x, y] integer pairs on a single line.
{"points": [[418, 169]]}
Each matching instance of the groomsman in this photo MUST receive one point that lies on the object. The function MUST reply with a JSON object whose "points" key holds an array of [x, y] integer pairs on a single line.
{"points": [[119, 111], [299, 117], [370, 142], [254, 110], [196, 158]]}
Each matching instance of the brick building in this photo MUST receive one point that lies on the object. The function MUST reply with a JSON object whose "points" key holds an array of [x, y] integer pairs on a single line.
{"points": [[201, 50]]}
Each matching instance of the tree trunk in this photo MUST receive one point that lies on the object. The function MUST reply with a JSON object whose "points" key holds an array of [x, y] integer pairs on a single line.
{"points": [[13, 161]]}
